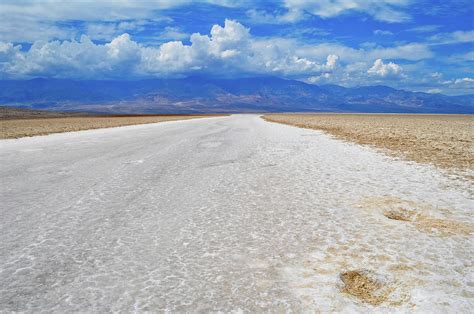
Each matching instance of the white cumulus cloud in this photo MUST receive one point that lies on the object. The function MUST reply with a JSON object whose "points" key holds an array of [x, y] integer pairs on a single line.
{"points": [[384, 69], [228, 49]]}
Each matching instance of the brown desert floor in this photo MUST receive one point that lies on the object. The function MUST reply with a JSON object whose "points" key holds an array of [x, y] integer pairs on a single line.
{"points": [[12, 113], [447, 141], [16, 128]]}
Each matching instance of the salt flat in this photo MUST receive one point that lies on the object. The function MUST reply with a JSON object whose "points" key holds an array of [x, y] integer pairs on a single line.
{"points": [[226, 213]]}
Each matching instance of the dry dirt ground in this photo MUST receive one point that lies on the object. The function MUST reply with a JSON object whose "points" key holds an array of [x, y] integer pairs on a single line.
{"points": [[16, 128], [447, 141], [12, 113]]}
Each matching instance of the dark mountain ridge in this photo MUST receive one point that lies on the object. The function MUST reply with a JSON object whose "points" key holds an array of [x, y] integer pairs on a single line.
{"points": [[197, 94]]}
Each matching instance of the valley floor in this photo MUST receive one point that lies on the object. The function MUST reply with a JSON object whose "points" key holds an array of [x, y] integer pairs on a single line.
{"points": [[228, 214], [16, 128], [446, 141]]}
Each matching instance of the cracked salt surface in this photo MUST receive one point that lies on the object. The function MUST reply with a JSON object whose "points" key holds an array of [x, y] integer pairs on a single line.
{"points": [[227, 214]]}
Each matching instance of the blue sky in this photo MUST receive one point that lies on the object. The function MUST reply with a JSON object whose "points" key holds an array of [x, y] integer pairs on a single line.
{"points": [[415, 45]]}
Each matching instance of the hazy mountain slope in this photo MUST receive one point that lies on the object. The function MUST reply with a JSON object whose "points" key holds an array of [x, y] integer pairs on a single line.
{"points": [[197, 94]]}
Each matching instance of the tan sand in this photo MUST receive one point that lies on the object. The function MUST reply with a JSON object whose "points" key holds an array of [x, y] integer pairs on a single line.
{"points": [[16, 128], [446, 141], [364, 287]]}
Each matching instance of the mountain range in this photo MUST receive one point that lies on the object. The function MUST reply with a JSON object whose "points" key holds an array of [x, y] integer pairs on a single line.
{"points": [[203, 95]]}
